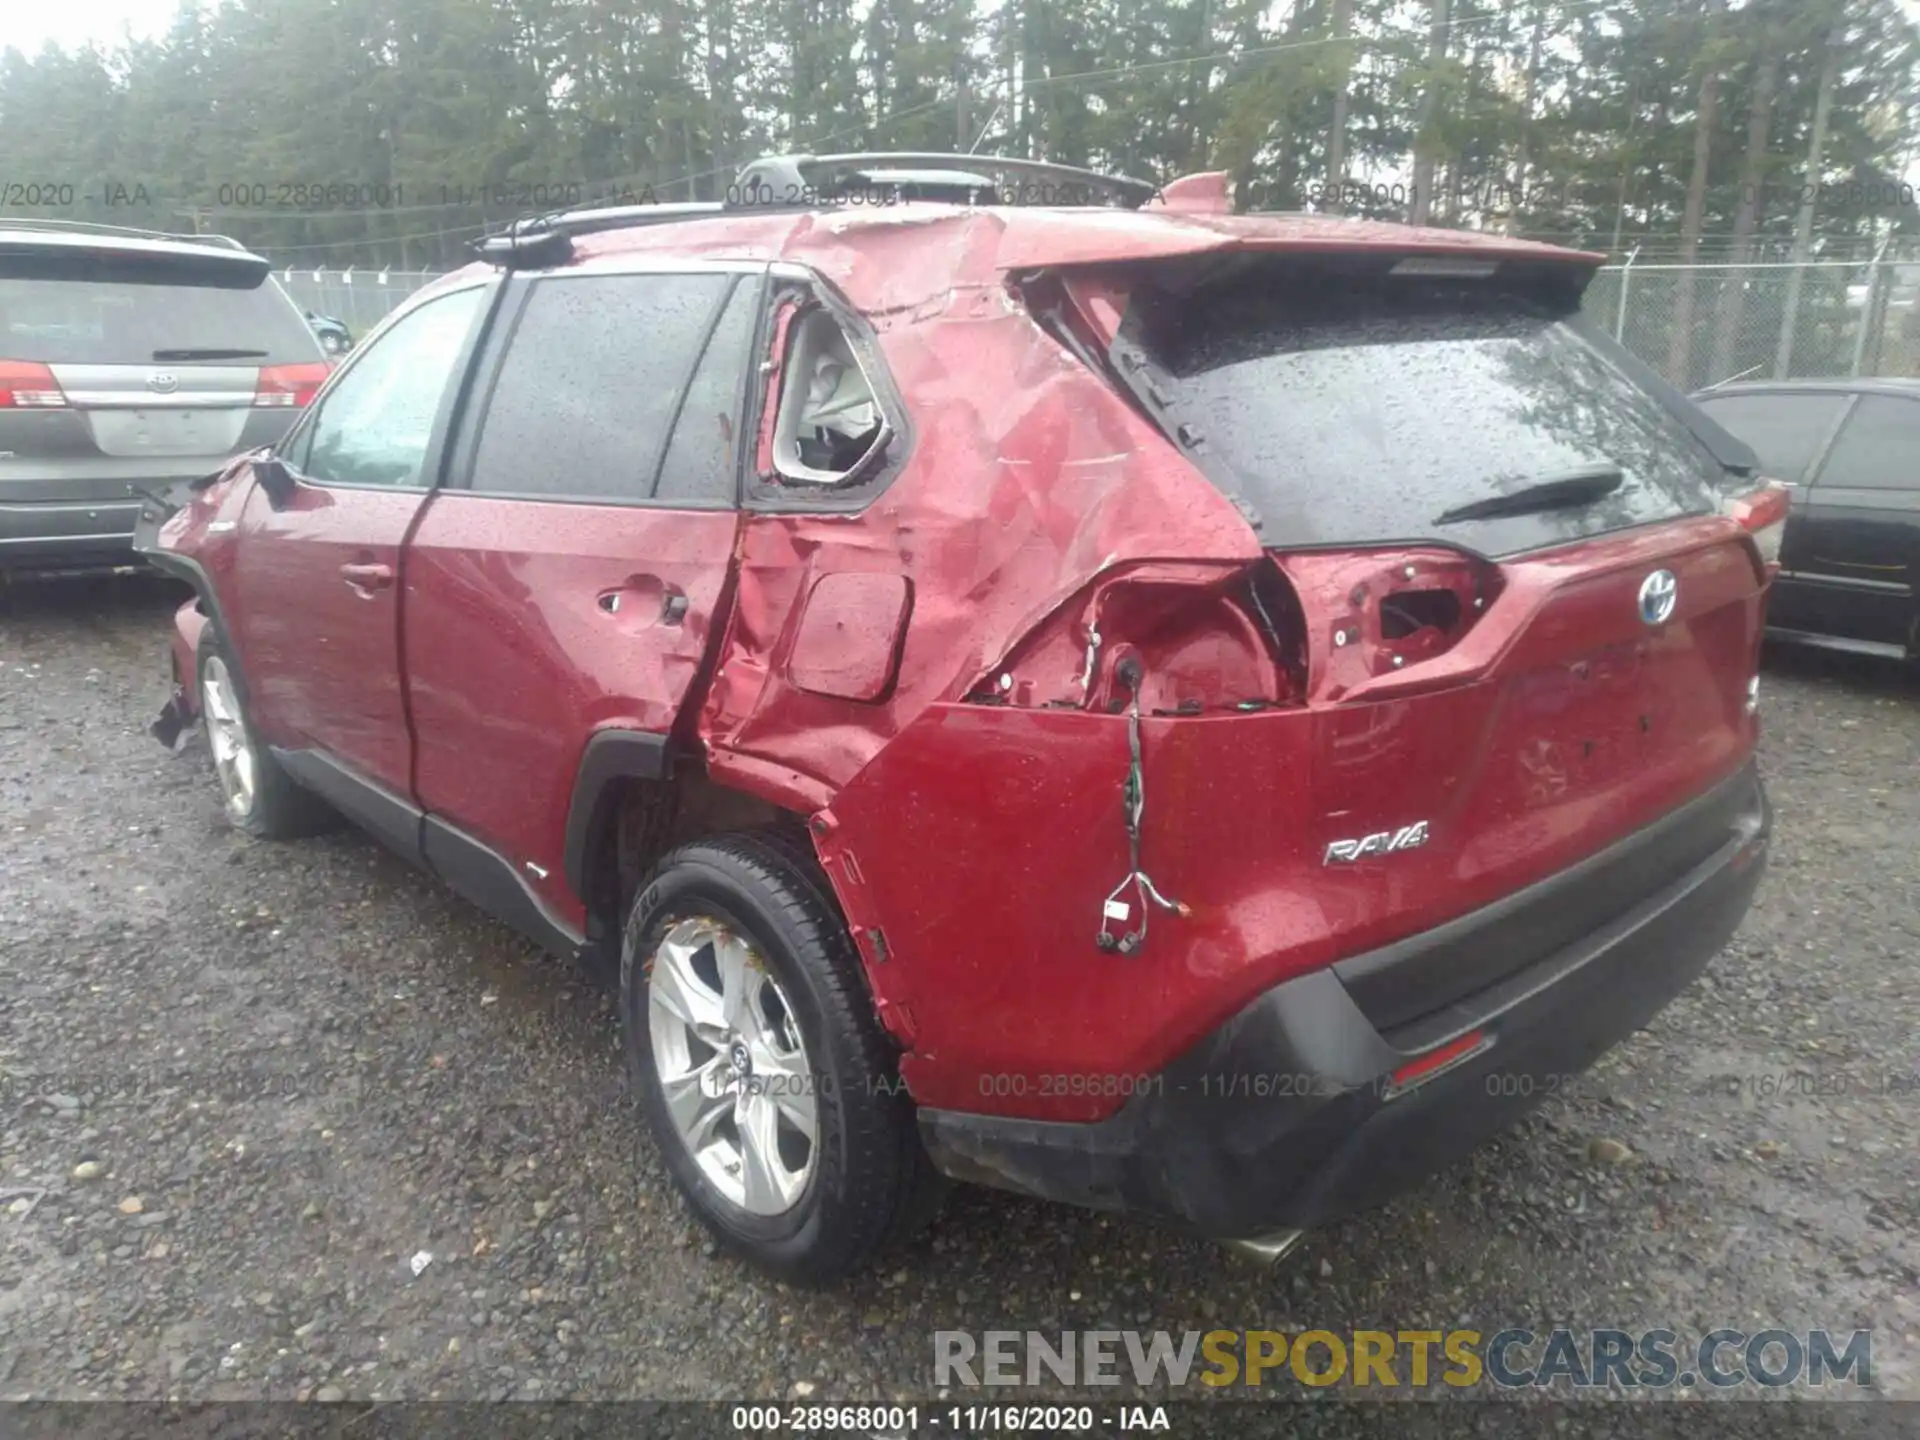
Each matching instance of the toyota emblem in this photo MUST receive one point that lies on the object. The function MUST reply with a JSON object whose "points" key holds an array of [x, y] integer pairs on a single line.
{"points": [[163, 382], [1658, 592]]}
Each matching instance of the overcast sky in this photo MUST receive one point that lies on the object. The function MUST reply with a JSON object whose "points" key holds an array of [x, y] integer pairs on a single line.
{"points": [[74, 22]]}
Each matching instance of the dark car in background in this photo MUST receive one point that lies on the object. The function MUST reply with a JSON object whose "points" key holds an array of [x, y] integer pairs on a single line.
{"points": [[130, 360], [1850, 563], [333, 335]]}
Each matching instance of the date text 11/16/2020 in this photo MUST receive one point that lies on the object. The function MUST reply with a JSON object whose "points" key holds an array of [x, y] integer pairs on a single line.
{"points": [[902, 1420], [1265, 1085]]}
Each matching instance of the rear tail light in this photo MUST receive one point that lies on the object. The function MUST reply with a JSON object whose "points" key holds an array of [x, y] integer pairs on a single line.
{"points": [[1236, 637], [290, 385], [1762, 514], [29, 385], [1200, 638], [1379, 612]]}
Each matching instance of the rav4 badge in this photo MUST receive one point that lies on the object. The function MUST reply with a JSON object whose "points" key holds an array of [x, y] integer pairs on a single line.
{"points": [[1381, 842]]}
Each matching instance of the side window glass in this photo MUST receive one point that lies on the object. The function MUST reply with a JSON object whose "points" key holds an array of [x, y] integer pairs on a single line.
{"points": [[591, 380], [294, 450], [829, 422], [374, 426], [702, 458], [1876, 449], [1783, 430]]}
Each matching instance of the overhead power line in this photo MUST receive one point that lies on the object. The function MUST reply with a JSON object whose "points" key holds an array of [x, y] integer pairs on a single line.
{"points": [[880, 124]]}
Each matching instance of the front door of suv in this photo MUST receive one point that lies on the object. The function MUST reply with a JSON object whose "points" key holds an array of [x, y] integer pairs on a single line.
{"points": [[316, 597], [567, 578]]}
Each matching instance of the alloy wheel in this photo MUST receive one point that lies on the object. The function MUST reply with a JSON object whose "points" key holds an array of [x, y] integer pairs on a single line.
{"points": [[232, 751], [732, 1065]]}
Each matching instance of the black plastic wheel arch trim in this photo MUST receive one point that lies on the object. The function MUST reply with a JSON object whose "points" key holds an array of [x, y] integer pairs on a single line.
{"points": [[610, 757]]}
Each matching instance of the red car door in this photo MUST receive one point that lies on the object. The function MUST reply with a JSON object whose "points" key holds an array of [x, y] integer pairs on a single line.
{"points": [[316, 596], [568, 579]]}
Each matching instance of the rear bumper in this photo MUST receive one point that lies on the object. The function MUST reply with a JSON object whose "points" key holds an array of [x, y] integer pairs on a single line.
{"points": [[50, 532], [1285, 1118]]}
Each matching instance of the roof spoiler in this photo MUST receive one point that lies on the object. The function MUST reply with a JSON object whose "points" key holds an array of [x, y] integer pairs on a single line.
{"points": [[1209, 192], [125, 232], [31, 250], [535, 242]]}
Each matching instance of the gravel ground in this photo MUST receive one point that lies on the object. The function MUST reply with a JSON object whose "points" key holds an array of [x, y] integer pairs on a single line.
{"points": [[246, 1084]]}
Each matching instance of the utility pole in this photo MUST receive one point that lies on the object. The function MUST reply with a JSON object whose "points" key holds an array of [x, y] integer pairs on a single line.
{"points": [[1429, 111], [1803, 222], [962, 122], [1680, 337], [1337, 131]]}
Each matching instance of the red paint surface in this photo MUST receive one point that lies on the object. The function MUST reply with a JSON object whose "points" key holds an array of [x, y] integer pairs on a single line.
{"points": [[986, 838], [1208, 193], [848, 641], [1029, 478], [186, 531], [513, 659], [188, 626], [321, 653], [895, 262], [971, 845]]}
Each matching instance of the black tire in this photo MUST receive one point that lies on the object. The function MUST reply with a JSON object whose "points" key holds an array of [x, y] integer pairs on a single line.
{"points": [[871, 1184], [278, 809]]}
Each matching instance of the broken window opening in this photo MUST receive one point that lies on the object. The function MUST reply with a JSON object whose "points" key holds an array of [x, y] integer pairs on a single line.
{"points": [[830, 425]]}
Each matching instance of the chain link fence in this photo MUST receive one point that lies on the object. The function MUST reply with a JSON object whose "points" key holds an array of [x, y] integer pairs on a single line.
{"points": [[1696, 324], [359, 298], [1701, 324]]}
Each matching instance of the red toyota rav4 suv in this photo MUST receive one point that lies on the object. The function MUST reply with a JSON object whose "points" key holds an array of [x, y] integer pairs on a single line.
{"points": [[1156, 708]]}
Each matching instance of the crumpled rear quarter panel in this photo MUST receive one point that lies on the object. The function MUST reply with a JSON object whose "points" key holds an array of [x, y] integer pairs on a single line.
{"points": [[1028, 477]]}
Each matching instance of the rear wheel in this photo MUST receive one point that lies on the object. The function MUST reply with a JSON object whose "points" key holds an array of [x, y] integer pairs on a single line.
{"points": [[765, 1078], [258, 795]]}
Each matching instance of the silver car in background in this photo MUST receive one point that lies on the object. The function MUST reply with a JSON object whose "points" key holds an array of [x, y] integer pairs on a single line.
{"points": [[129, 360]]}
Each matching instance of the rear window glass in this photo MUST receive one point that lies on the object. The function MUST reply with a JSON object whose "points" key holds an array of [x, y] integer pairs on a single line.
{"points": [[93, 322], [1354, 409]]}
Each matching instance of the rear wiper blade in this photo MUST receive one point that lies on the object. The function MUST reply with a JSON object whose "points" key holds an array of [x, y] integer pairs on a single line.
{"points": [[1556, 492], [209, 354]]}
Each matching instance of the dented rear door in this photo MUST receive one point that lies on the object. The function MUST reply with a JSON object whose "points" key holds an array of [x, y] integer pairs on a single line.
{"points": [[570, 577]]}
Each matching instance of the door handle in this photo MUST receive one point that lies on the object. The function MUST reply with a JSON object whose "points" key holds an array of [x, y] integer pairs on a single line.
{"points": [[639, 592], [365, 579]]}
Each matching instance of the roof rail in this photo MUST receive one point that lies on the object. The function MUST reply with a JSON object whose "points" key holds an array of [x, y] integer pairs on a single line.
{"points": [[126, 232], [776, 183], [801, 176], [536, 241]]}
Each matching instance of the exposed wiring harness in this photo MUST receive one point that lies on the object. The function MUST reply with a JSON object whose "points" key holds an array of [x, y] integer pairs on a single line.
{"points": [[1136, 891]]}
